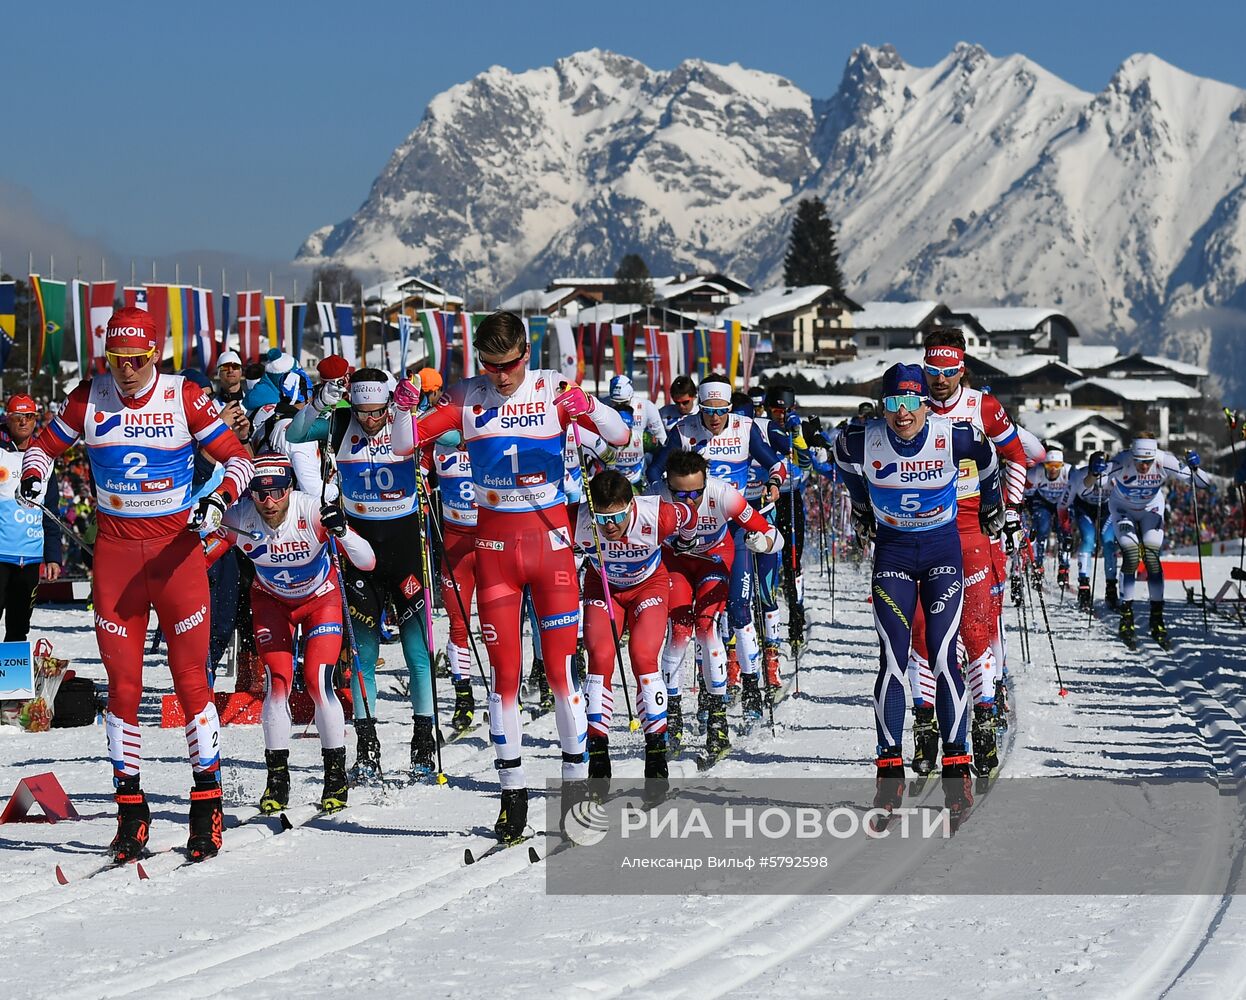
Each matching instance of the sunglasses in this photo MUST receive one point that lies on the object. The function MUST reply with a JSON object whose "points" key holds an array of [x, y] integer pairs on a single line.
{"points": [[909, 400], [617, 518], [934, 372], [132, 361], [688, 494], [502, 367], [715, 411], [370, 414], [682, 403], [270, 493]]}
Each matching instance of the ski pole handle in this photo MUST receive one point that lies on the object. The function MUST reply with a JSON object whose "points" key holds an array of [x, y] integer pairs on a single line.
{"points": [[255, 536]]}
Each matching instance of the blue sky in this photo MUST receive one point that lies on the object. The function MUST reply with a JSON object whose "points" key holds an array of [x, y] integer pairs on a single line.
{"points": [[243, 126]]}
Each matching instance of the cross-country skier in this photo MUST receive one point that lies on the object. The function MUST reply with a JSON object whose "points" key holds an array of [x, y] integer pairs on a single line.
{"points": [[514, 422], [901, 472], [643, 421], [1138, 479], [140, 428], [700, 571], [1045, 488], [373, 455], [683, 393], [296, 584], [1086, 500], [786, 437], [630, 531]]}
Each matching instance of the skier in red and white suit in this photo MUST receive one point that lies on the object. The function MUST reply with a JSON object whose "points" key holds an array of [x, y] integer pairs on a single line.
{"points": [[513, 421], [983, 579], [140, 429], [629, 531]]}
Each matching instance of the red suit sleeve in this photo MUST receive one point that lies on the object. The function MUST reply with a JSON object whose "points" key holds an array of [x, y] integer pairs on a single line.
{"points": [[740, 511], [1003, 434], [676, 517], [217, 441], [447, 415]]}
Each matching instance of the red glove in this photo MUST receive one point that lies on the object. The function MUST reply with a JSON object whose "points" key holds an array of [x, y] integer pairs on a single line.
{"points": [[575, 402], [406, 395]]}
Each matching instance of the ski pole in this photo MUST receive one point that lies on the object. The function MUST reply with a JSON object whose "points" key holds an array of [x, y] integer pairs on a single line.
{"points": [[1042, 603], [67, 529], [633, 723], [793, 601], [255, 536], [759, 624], [834, 536], [1094, 566], [426, 572], [1198, 544], [1241, 491]]}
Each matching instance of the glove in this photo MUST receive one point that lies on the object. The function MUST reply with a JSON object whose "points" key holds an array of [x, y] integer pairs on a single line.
{"points": [[575, 402], [813, 427], [208, 513], [328, 395], [864, 523], [1098, 465], [333, 520], [791, 423], [1192, 459], [992, 519], [763, 542], [406, 395], [30, 493], [681, 544], [1012, 528]]}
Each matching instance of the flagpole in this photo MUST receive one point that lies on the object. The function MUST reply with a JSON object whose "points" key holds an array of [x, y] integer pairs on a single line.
{"points": [[30, 266]]}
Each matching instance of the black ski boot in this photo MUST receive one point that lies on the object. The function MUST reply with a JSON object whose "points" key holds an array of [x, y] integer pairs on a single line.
{"points": [[333, 797], [703, 704], [538, 683], [276, 795], [1017, 586], [657, 775], [367, 766], [750, 698], [133, 822], [1083, 593], [675, 722], [1159, 631], [513, 816], [957, 783], [1001, 705], [925, 739], [423, 747], [1109, 594], [1062, 577], [599, 758], [888, 784], [716, 742], [985, 751], [207, 819], [464, 706], [1036, 576], [1126, 629]]}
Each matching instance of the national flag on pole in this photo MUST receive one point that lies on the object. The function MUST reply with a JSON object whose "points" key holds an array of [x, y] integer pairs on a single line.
{"points": [[567, 354], [434, 340], [678, 354], [177, 324], [49, 298], [135, 297], [732, 335], [653, 374], [748, 352], [224, 321], [537, 327], [718, 350], [296, 318], [622, 355], [158, 306], [601, 339], [249, 312], [580, 330], [330, 339], [80, 296], [206, 348], [8, 320], [404, 339], [275, 317], [344, 314], [103, 297]]}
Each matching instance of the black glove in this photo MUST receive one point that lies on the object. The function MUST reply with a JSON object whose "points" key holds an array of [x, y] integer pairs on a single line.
{"points": [[333, 519], [992, 519], [32, 489], [681, 545], [208, 513], [1013, 528], [864, 523]]}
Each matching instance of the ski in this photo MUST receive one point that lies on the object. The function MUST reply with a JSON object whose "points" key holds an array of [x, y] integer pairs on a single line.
{"points": [[471, 858]]}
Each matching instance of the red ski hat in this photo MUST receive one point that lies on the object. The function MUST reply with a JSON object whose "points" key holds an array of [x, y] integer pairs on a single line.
{"points": [[131, 330], [21, 403]]}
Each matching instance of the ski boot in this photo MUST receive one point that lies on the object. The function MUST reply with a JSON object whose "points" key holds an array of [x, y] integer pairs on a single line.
{"points": [[703, 704], [580, 663], [770, 664], [513, 816], [1083, 593], [423, 748], [333, 796], [925, 739], [675, 722], [888, 785], [207, 819], [733, 676], [657, 776], [985, 751], [537, 682], [1109, 594], [1036, 576], [1001, 704], [133, 822], [1159, 631], [1062, 577], [750, 700], [276, 795], [957, 783], [1017, 586], [367, 767], [796, 623], [599, 758], [1126, 629], [464, 707], [716, 742]]}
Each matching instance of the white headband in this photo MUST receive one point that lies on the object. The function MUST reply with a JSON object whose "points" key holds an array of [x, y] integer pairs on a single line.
{"points": [[364, 393], [1145, 448], [714, 390]]}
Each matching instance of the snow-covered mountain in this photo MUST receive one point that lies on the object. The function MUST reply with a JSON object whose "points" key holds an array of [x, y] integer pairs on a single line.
{"points": [[980, 179]]}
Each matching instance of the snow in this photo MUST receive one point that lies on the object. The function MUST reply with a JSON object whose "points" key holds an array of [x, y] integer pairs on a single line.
{"points": [[1139, 390], [378, 900], [774, 302], [892, 315], [1090, 357], [1173, 365], [859, 371], [1008, 319], [1055, 422]]}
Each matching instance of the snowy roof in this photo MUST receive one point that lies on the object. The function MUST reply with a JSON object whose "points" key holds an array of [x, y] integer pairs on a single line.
{"points": [[587, 282], [390, 292], [1140, 390], [1052, 423], [1173, 365], [893, 315], [1091, 356], [611, 312], [536, 299], [1005, 319], [774, 302], [855, 372], [672, 289], [1018, 366]]}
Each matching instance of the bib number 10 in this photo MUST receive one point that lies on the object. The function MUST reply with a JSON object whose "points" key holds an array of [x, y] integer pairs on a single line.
{"points": [[383, 475]]}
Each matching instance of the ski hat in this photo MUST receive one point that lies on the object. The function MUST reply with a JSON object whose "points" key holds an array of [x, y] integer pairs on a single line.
{"points": [[621, 390], [272, 472], [1145, 449], [261, 394], [228, 358], [899, 379], [757, 394], [21, 403], [131, 329]]}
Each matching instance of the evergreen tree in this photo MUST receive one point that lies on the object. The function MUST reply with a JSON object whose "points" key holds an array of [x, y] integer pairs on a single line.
{"points": [[812, 257], [634, 284]]}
